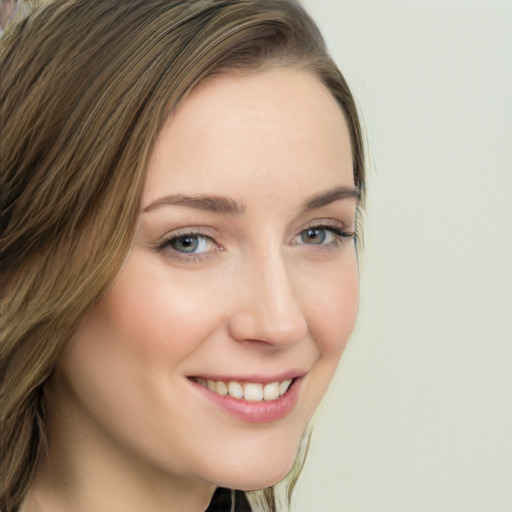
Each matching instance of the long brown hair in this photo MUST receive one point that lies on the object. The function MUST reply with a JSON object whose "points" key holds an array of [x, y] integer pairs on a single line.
{"points": [[85, 89]]}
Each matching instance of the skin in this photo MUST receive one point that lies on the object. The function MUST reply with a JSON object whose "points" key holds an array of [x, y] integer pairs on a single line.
{"points": [[128, 431]]}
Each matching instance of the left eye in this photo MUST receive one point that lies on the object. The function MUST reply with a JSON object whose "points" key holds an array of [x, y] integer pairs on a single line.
{"points": [[317, 236], [190, 244]]}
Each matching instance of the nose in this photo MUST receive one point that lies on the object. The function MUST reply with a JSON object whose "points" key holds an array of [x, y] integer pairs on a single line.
{"points": [[267, 307]]}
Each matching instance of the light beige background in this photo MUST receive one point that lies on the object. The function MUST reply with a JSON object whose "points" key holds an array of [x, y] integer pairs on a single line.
{"points": [[419, 418]]}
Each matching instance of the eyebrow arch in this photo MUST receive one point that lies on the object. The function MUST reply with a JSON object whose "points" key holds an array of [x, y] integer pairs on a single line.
{"points": [[330, 196], [216, 204]]}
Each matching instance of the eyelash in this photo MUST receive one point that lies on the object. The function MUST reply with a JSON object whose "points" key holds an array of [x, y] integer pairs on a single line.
{"points": [[335, 228], [331, 226]]}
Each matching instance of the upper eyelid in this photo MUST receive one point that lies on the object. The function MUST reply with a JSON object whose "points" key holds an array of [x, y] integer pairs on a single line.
{"points": [[204, 231], [339, 231], [324, 222]]}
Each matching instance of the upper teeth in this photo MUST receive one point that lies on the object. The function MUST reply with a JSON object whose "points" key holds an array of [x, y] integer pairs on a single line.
{"points": [[251, 391]]}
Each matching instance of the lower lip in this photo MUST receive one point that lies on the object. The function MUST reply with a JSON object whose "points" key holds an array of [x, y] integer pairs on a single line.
{"points": [[265, 411]]}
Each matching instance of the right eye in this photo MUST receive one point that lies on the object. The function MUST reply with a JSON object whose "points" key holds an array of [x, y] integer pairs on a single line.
{"points": [[189, 244]]}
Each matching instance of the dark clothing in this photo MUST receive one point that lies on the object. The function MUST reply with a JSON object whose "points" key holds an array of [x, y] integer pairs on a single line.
{"points": [[221, 501]]}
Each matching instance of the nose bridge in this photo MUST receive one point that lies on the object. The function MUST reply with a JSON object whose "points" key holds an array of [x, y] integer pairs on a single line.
{"points": [[269, 310]]}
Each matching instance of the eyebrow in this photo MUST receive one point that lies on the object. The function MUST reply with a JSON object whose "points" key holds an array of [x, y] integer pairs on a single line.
{"points": [[221, 204], [218, 204], [330, 196]]}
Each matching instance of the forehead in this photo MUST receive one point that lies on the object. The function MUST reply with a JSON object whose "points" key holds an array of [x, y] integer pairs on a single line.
{"points": [[274, 129]]}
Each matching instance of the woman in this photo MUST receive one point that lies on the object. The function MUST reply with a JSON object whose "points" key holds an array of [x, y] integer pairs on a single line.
{"points": [[181, 187]]}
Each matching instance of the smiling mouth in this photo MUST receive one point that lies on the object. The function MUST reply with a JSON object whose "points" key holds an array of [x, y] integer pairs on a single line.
{"points": [[249, 391]]}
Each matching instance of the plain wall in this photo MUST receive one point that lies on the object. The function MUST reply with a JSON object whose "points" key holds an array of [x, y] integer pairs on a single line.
{"points": [[419, 417]]}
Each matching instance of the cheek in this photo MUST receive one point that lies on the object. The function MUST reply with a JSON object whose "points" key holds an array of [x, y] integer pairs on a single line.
{"points": [[126, 350], [153, 316], [333, 300]]}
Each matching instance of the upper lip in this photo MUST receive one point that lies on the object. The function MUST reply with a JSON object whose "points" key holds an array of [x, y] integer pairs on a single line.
{"points": [[252, 377]]}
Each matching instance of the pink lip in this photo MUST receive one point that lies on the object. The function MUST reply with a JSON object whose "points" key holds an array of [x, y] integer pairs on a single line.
{"points": [[255, 412]]}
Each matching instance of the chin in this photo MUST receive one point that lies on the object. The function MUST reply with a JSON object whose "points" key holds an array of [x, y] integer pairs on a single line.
{"points": [[260, 481], [255, 475]]}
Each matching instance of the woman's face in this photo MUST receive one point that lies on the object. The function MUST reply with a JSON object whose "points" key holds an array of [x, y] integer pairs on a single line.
{"points": [[243, 275]]}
